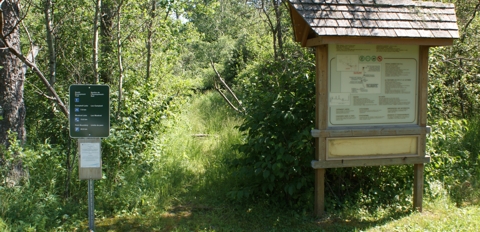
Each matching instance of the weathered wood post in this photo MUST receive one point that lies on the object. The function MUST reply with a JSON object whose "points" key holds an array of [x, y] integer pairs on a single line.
{"points": [[371, 81]]}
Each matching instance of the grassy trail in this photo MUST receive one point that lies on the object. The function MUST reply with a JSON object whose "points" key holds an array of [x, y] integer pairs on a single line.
{"points": [[192, 182]]}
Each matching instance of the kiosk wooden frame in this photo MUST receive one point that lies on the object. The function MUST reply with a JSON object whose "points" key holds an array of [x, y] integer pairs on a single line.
{"points": [[324, 23]]}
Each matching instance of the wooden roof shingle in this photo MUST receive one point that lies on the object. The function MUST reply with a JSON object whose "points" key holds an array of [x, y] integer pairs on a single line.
{"points": [[373, 18]]}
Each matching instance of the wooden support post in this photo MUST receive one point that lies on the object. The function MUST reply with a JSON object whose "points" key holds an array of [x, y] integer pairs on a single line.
{"points": [[418, 187], [422, 122], [321, 102], [423, 86], [319, 192]]}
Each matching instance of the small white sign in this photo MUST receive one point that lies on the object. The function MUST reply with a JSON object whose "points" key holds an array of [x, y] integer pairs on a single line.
{"points": [[90, 155]]}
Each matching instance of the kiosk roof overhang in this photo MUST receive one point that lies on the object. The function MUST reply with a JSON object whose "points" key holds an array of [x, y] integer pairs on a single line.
{"points": [[318, 22]]}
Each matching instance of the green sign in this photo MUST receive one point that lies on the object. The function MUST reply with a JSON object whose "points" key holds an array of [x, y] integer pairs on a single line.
{"points": [[89, 111]]}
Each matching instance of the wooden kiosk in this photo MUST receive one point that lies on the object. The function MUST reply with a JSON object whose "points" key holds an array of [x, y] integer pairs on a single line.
{"points": [[371, 81]]}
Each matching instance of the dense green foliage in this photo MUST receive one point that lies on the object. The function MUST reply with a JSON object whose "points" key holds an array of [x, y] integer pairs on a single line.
{"points": [[454, 72], [454, 146], [278, 148], [174, 144]]}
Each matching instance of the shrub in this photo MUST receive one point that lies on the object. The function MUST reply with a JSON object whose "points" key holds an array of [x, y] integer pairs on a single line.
{"points": [[38, 201], [275, 161], [453, 147]]}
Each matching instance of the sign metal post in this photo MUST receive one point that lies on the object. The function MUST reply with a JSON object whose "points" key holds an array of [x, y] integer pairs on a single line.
{"points": [[89, 122], [91, 208]]}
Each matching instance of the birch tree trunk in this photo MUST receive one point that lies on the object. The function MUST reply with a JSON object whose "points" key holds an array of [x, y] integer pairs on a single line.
{"points": [[120, 62], [95, 40]]}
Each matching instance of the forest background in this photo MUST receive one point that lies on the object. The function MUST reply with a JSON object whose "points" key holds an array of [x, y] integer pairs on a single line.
{"points": [[212, 103]]}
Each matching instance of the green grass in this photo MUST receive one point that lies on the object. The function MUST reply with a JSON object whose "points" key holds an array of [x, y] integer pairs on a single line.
{"points": [[438, 215], [199, 143]]}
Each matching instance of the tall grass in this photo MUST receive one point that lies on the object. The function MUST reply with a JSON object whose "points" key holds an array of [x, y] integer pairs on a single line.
{"points": [[189, 157], [183, 165]]}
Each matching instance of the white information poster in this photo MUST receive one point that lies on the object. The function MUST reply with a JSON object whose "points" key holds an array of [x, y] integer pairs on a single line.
{"points": [[372, 84], [90, 155]]}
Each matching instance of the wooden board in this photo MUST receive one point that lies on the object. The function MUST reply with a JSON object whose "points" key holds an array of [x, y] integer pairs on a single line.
{"points": [[375, 40], [369, 162], [372, 147], [321, 99], [383, 131]]}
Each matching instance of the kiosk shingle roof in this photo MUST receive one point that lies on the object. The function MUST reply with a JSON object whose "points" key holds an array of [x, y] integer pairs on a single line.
{"points": [[378, 18]]}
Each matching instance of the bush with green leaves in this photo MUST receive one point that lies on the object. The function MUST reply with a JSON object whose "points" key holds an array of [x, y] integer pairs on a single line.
{"points": [[39, 200], [280, 100], [454, 147]]}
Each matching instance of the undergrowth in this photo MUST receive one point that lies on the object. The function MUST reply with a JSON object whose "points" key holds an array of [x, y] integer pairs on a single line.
{"points": [[183, 182]]}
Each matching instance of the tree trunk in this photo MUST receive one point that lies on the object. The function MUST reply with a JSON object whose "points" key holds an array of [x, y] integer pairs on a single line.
{"points": [[120, 62], [12, 80], [107, 42], [11, 75], [95, 41], [149, 38], [278, 27], [275, 27], [52, 56]]}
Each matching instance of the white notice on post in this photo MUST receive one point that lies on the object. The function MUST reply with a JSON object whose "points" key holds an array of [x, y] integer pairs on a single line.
{"points": [[90, 155]]}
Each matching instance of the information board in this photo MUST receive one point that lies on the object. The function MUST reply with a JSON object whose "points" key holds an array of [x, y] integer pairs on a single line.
{"points": [[372, 84], [89, 111]]}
